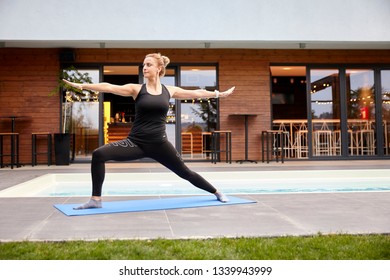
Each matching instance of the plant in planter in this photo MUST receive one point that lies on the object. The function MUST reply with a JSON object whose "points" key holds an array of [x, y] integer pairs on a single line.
{"points": [[70, 95]]}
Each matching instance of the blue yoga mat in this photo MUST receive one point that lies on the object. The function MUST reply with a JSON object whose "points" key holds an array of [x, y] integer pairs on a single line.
{"points": [[150, 205]]}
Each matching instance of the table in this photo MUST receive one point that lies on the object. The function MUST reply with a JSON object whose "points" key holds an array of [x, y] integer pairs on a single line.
{"points": [[246, 116], [13, 119]]}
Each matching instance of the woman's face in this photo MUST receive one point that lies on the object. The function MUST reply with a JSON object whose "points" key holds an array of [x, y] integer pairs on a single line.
{"points": [[151, 68]]}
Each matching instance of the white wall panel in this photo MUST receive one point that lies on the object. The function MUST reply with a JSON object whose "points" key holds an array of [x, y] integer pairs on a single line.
{"points": [[195, 21]]}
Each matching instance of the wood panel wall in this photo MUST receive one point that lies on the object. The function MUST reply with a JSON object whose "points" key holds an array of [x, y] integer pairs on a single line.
{"points": [[27, 76]]}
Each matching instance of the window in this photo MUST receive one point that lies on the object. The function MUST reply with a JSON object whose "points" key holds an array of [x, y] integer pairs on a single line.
{"points": [[385, 91], [325, 112], [343, 118], [198, 117], [361, 111], [80, 114]]}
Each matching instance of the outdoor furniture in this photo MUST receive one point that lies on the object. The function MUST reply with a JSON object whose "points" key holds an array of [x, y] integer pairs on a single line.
{"points": [[206, 144], [216, 145], [365, 139], [34, 139], [273, 142], [302, 144], [13, 149], [246, 116], [323, 142]]}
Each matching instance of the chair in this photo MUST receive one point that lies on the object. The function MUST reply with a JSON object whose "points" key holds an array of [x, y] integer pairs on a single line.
{"points": [[302, 144], [216, 145], [365, 142], [206, 144], [323, 142], [274, 141], [14, 149], [34, 139], [336, 142]]}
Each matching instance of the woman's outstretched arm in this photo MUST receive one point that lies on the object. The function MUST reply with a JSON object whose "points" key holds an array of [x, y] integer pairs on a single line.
{"points": [[179, 93], [124, 90]]}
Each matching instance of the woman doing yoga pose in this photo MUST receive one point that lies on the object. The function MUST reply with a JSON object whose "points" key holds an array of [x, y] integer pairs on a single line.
{"points": [[147, 137]]}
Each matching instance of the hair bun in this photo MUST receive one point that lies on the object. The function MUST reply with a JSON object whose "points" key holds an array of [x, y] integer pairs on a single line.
{"points": [[165, 60]]}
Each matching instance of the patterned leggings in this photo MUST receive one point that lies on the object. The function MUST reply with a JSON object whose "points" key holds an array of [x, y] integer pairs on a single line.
{"points": [[125, 150]]}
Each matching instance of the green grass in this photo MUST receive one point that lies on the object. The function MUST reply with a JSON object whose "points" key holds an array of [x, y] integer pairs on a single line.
{"points": [[318, 247]]}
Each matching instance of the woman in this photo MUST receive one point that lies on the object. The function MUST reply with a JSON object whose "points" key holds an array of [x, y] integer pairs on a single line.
{"points": [[147, 137]]}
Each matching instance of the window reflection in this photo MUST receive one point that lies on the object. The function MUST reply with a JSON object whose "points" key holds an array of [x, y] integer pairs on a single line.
{"points": [[80, 115], [360, 94], [385, 79], [361, 111], [325, 103], [325, 109], [198, 116]]}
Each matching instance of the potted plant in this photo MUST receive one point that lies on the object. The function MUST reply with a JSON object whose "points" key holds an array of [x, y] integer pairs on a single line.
{"points": [[62, 140]]}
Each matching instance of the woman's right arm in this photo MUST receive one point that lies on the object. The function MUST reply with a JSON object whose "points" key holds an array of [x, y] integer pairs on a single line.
{"points": [[125, 90]]}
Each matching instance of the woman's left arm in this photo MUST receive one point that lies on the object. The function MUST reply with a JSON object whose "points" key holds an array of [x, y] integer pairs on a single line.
{"points": [[179, 93]]}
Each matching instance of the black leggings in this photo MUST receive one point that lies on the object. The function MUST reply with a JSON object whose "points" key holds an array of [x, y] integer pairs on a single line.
{"points": [[125, 150]]}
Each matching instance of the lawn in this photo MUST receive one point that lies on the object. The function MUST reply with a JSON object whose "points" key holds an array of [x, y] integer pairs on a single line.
{"points": [[317, 247]]}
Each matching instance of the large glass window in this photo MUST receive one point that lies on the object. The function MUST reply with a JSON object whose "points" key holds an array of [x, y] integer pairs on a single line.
{"points": [[361, 111], [80, 114], [119, 110], [342, 118], [325, 112], [198, 116], [289, 109], [385, 80]]}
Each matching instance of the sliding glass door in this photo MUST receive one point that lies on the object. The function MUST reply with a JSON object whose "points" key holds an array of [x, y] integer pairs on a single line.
{"points": [[361, 111], [344, 118], [385, 99], [80, 115], [198, 117], [325, 112]]}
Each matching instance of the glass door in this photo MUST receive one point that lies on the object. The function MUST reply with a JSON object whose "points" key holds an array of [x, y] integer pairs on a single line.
{"points": [[385, 91], [361, 111], [80, 113], [198, 117], [118, 111], [325, 112]]}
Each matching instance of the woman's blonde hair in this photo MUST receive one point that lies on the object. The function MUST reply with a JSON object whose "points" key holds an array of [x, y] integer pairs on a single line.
{"points": [[162, 61]]}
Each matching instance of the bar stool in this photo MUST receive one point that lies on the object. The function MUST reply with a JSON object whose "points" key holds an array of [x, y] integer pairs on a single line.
{"points": [[365, 139], [14, 149], [216, 147], [206, 144], [302, 144], [34, 140], [323, 142], [273, 141], [336, 142]]}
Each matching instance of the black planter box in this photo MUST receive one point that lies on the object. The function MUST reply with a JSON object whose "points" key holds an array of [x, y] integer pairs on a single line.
{"points": [[62, 148]]}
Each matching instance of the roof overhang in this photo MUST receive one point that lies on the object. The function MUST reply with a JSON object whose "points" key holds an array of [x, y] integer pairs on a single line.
{"points": [[194, 44]]}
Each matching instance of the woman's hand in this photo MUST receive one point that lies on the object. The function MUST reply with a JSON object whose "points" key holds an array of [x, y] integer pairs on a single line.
{"points": [[227, 92], [75, 85]]}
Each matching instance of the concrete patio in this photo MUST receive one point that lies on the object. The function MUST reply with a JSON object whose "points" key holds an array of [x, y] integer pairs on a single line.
{"points": [[273, 215]]}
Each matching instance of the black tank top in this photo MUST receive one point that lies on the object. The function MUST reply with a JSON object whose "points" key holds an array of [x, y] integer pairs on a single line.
{"points": [[150, 117]]}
